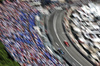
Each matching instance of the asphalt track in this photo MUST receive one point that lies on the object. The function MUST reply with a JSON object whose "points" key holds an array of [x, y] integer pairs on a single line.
{"points": [[55, 28]]}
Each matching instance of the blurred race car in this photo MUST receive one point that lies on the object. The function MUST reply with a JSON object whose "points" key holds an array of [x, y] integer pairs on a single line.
{"points": [[60, 51], [66, 43]]}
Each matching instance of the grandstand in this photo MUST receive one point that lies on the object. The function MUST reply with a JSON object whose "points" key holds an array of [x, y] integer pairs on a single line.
{"points": [[18, 35]]}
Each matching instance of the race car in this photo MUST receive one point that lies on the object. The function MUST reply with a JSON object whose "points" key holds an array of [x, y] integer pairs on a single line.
{"points": [[66, 43]]}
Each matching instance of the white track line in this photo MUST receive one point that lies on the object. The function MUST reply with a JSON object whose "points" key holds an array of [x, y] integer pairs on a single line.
{"points": [[54, 25], [57, 44]]}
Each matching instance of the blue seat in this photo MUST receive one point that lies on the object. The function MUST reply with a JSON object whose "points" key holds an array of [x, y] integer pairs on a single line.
{"points": [[21, 18], [16, 39], [19, 39], [26, 31], [24, 24], [33, 35], [31, 22], [39, 40], [22, 40], [20, 33], [28, 42], [24, 15]]}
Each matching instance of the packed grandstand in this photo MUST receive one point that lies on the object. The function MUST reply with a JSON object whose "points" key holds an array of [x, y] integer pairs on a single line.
{"points": [[17, 33], [85, 26]]}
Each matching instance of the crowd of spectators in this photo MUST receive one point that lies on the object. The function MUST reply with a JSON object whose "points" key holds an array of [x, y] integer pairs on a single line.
{"points": [[86, 27], [17, 33]]}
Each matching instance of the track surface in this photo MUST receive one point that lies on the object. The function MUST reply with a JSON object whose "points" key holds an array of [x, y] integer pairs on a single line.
{"points": [[55, 28]]}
